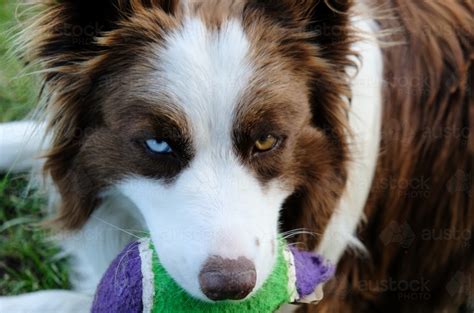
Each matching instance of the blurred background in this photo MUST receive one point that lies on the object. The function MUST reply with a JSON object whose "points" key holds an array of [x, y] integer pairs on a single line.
{"points": [[28, 261]]}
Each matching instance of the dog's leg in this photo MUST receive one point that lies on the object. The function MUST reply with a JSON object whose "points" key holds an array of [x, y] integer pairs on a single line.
{"points": [[20, 145], [52, 301]]}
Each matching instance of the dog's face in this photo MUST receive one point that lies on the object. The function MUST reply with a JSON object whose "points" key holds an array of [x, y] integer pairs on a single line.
{"points": [[211, 119], [211, 138]]}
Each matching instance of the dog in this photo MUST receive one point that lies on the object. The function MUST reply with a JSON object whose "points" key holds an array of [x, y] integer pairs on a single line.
{"points": [[214, 126]]}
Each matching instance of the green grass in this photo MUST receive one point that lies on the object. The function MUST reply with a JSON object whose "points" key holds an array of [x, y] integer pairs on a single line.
{"points": [[28, 261], [17, 90]]}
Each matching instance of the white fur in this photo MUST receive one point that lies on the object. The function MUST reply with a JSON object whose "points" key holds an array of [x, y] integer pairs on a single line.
{"points": [[110, 228], [20, 145], [365, 122], [206, 72], [52, 301]]}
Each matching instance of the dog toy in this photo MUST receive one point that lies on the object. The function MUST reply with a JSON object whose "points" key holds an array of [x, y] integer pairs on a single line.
{"points": [[136, 282]]}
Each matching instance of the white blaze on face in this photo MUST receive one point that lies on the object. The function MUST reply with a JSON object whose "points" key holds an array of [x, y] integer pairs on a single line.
{"points": [[216, 206]]}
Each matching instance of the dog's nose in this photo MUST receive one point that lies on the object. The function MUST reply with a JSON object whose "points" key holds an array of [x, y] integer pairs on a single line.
{"points": [[226, 279]]}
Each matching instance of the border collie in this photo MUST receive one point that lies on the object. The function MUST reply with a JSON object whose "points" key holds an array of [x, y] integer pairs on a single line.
{"points": [[217, 125]]}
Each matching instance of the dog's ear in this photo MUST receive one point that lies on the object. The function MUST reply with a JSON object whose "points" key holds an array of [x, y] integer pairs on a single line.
{"points": [[66, 31], [64, 38], [60, 38], [325, 20], [326, 26]]}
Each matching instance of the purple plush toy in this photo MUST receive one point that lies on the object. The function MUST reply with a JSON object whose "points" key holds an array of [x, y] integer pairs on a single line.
{"points": [[136, 282]]}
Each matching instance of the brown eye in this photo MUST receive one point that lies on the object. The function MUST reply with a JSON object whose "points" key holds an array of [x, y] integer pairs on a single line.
{"points": [[265, 143]]}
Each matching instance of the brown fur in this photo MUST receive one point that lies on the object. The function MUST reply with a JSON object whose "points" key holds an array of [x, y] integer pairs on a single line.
{"points": [[427, 90], [292, 32], [423, 187], [82, 52]]}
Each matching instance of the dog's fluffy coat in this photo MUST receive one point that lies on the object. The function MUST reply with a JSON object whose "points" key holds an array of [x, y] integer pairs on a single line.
{"points": [[286, 67]]}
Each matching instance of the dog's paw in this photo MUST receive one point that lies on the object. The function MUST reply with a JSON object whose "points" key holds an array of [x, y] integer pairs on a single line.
{"points": [[52, 301], [20, 145]]}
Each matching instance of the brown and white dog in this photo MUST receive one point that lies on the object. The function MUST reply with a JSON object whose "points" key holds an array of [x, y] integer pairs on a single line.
{"points": [[214, 125]]}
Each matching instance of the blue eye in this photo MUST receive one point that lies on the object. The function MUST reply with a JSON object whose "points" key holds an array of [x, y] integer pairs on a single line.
{"points": [[158, 146]]}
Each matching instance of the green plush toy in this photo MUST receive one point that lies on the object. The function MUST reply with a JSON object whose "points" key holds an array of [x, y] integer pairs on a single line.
{"points": [[136, 282]]}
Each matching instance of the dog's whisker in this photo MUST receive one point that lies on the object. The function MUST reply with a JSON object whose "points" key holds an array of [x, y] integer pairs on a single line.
{"points": [[126, 253], [296, 232], [116, 227], [140, 231]]}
